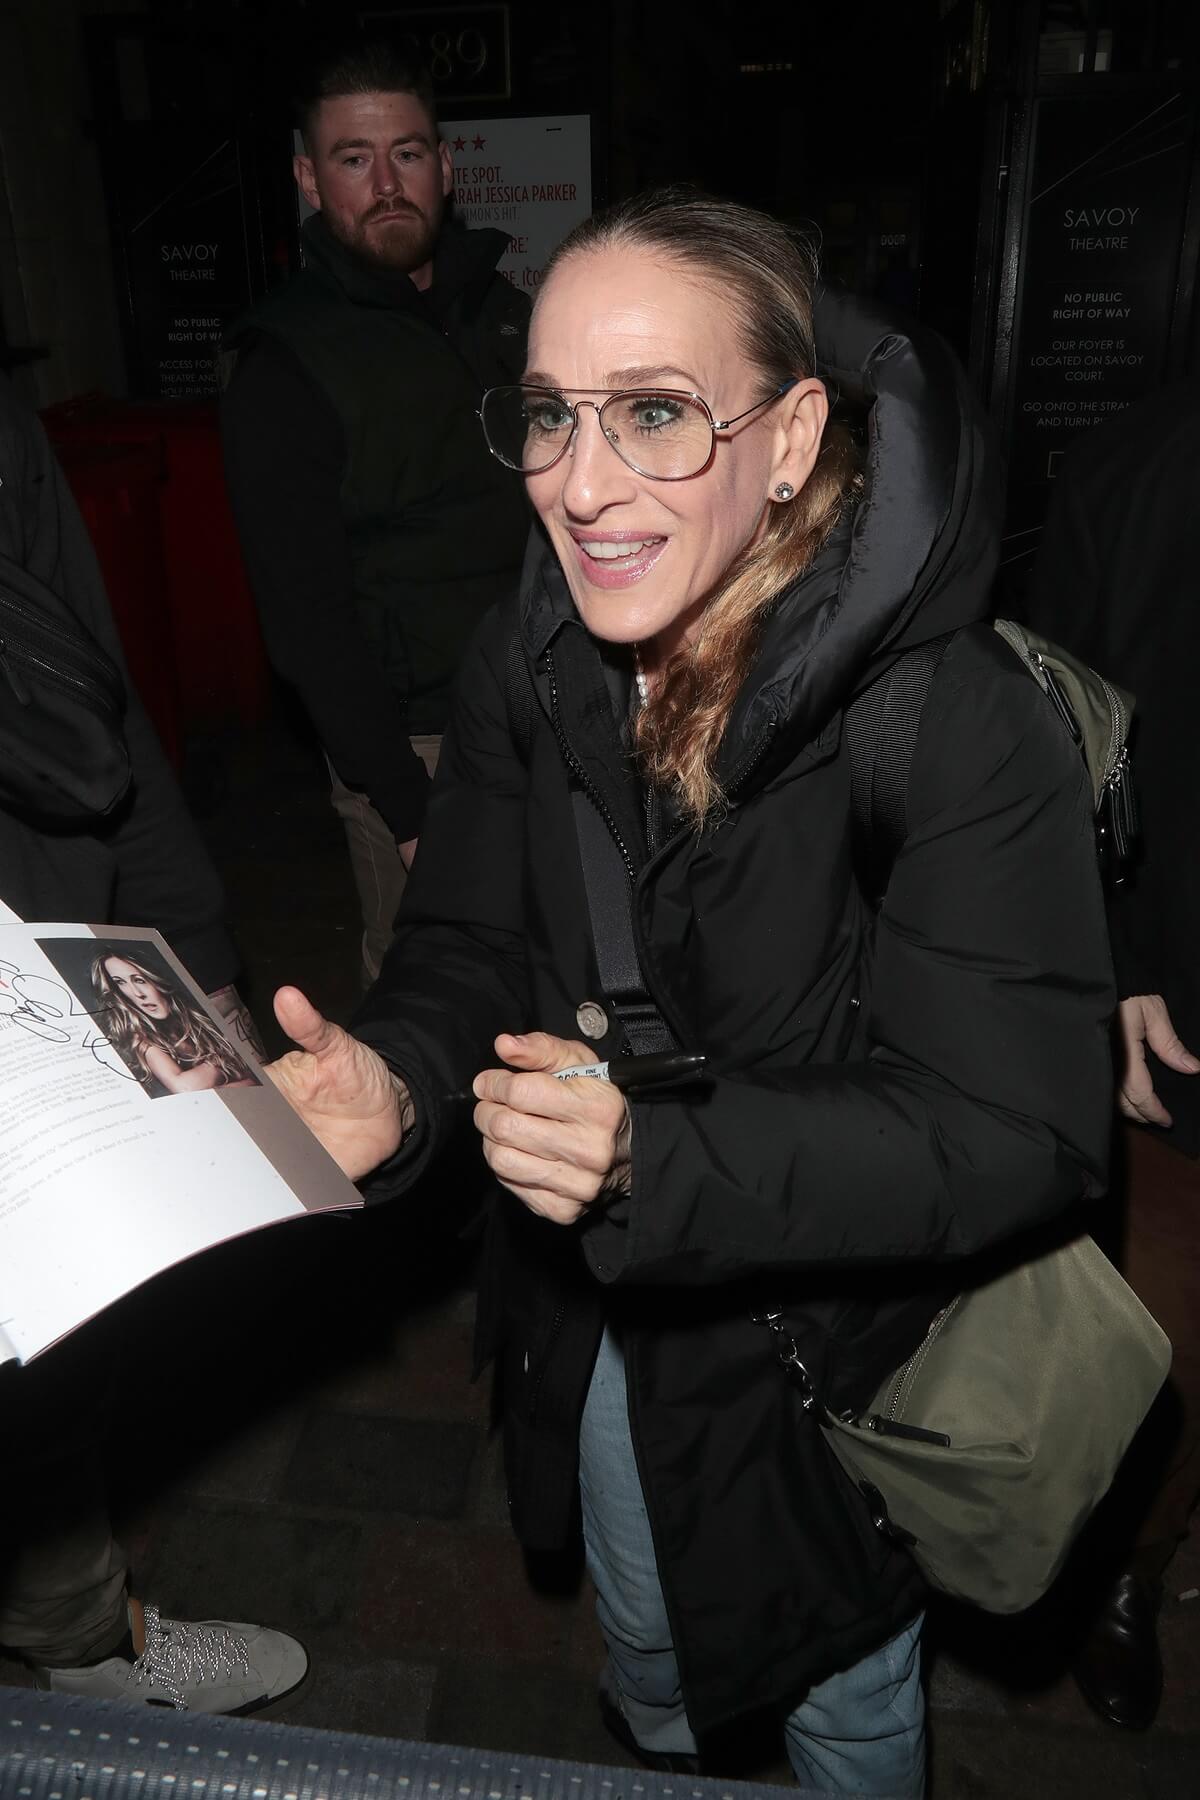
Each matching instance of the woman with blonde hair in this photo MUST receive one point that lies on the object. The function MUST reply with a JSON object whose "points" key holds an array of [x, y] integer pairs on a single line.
{"points": [[650, 750], [158, 1030]]}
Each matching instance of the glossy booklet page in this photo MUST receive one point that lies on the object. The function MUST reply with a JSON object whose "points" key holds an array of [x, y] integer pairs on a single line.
{"points": [[134, 1132]]}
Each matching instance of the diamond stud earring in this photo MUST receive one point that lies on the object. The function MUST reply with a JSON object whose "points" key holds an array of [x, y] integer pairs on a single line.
{"points": [[784, 491]]}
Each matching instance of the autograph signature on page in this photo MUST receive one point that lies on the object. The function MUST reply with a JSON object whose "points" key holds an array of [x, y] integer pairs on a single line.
{"points": [[50, 1011]]}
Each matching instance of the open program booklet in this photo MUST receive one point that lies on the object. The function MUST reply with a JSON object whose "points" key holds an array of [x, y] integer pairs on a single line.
{"points": [[134, 1132]]}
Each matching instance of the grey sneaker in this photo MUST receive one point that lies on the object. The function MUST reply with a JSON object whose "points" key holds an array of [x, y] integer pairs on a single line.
{"points": [[210, 1666]]}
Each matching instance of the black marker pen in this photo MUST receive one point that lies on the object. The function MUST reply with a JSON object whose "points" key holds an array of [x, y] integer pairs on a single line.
{"points": [[660, 1069]]}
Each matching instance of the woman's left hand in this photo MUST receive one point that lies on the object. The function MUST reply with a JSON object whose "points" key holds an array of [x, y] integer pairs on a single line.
{"points": [[559, 1146]]}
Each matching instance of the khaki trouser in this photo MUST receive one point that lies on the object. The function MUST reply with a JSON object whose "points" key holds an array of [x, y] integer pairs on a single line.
{"points": [[62, 1578], [379, 874]]}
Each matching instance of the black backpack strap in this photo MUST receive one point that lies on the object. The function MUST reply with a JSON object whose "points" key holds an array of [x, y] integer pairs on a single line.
{"points": [[881, 735], [610, 896], [519, 696]]}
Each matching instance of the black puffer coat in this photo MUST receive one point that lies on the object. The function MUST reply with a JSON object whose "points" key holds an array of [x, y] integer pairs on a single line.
{"points": [[889, 1102]]}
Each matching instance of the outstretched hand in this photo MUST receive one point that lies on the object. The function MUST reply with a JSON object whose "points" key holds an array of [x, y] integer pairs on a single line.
{"points": [[557, 1145], [344, 1092], [1145, 1020]]}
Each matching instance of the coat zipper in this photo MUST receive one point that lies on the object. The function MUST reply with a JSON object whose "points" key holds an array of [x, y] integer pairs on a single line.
{"points": [[11, 653], [742, 775], [577, 769], [556, 1325], [89, 675], [889, 1422]]}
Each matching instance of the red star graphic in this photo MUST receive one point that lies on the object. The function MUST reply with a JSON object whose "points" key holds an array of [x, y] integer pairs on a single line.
{"points": [[460, 143], [478, 143]]}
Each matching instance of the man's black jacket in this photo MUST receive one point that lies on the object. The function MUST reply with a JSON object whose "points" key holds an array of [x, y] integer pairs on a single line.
{"points": [[376, 526], [1115, 582]]}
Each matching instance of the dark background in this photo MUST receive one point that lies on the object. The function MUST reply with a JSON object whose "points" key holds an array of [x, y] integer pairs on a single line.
{"points": [[913, 136]]}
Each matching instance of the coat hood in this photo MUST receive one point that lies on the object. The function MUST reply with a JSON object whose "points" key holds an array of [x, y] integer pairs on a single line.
{"points": [[916, 559]]}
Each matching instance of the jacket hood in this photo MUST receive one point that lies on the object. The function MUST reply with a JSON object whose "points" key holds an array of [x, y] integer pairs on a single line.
{"points": [[463, 261], [923, 546], [917, 558]]}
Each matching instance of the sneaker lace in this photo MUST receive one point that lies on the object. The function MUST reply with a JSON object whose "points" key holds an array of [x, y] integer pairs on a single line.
{"points": [[177, 1653]]}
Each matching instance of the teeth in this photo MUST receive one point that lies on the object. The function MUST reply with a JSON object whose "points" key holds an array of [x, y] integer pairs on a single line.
{"points": [[605, 551]]}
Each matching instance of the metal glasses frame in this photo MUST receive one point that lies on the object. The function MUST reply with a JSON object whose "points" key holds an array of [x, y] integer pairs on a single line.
{"points": [[654, 393]]}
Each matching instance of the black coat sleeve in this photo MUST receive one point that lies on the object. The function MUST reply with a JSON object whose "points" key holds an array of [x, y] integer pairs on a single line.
{"points": [[285, 457], [983, 1106], [455, 975]]}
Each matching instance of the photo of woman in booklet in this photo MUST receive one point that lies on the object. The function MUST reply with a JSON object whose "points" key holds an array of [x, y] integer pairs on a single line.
{"points": [[165, 1040], [161, 1035]]}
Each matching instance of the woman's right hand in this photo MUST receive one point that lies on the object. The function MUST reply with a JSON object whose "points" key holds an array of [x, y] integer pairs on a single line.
{"points": [[1145, 1021], [344, 1092]]}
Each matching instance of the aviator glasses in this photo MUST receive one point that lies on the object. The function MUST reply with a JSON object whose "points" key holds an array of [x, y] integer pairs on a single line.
{"points": [[659, 432]]}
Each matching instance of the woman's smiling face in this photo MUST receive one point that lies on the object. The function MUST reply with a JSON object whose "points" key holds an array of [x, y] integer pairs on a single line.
{"points": [[642, 556]]}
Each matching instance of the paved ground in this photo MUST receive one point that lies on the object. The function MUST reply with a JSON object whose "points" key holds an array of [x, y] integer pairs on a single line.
{"points": [[300, 1443]]}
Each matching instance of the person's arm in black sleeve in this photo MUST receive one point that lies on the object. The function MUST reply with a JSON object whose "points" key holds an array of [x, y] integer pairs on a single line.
{"points": [[165, 878], [284, 462], [1066, 603], [456, 974], [1071, 602]]}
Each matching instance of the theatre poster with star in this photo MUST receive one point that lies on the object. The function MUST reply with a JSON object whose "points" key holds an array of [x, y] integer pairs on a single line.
{"points": [[529, 177]]}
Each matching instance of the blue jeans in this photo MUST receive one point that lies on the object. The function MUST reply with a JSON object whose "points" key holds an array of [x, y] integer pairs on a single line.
{"points": [[859, 1732]]}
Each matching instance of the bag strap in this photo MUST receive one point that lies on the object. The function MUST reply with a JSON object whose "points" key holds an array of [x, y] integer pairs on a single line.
{"points": [[881, 728], [605, 880], [610, 898]]}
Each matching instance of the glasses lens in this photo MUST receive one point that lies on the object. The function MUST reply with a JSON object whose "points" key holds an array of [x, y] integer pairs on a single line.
{"points": [[664, 435], [527, 428]]}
